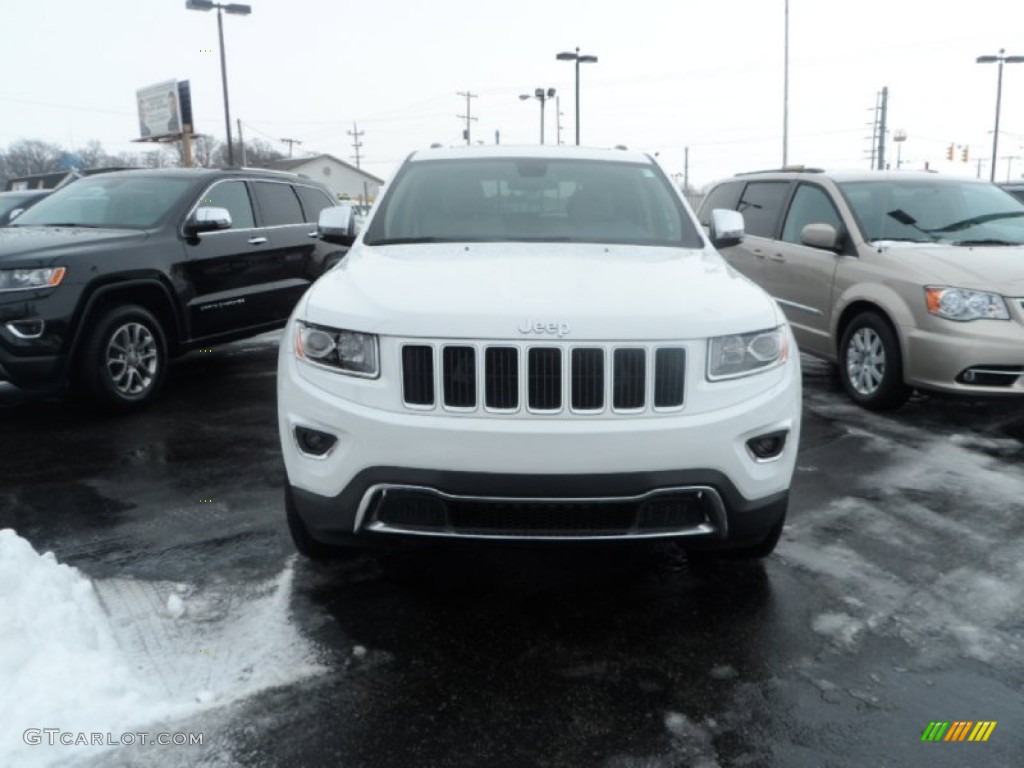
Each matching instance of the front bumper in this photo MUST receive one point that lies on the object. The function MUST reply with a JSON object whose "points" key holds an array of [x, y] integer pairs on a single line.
{"points": [[938, 358], [533, 462]]}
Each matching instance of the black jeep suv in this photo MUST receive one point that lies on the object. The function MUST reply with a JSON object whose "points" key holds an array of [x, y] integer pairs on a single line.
{"points": [[107, 278]]}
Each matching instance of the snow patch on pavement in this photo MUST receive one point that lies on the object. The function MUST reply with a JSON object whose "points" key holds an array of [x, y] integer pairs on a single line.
{"points": [[111, 656]]}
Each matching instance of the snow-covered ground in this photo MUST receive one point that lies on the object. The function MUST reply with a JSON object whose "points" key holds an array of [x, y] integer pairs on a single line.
{"points": [[927, 547], [113, 656]]}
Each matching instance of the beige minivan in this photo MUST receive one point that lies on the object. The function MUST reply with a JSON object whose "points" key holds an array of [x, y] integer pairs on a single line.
{"points": [[904, 279]]}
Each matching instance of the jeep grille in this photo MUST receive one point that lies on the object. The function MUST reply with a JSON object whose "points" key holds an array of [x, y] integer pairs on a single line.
{"points": [[546, 379]]}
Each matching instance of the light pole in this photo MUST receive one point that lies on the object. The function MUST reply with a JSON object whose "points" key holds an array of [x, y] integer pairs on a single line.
{"points": [[899, 137], [542, 96], [239, 10], [579, 60], [1000, 58]]}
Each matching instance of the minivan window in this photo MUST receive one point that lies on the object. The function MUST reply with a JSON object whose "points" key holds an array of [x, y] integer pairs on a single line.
{"points": [[811, 205], [761, 204]]}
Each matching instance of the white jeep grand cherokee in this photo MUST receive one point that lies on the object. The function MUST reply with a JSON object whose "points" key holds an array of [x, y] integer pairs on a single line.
{"points": [[536, 344]]}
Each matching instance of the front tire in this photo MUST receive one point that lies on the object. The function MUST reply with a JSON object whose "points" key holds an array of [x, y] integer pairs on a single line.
{"points": [[871, 364], [123, 362]]}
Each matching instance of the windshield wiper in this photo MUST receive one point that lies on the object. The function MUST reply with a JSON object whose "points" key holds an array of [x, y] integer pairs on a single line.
{"points": [[984, 241], [956, 226], [66, 224], [407, 240]]}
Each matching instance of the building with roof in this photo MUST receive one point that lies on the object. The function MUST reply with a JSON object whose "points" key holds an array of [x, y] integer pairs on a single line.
{"points": [[343, 179]]}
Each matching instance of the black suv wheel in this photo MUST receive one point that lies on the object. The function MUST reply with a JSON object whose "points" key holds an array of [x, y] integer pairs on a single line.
{"points": [[871, 364], [123, 362]]}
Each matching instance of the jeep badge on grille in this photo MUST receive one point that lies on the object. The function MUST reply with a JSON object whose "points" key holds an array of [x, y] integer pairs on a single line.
{"points": [[559, 328]]}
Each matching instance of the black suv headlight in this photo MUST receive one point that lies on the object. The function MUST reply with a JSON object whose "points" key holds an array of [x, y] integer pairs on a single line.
{"points": [[746, 353], [344, 351], [32, 277]]}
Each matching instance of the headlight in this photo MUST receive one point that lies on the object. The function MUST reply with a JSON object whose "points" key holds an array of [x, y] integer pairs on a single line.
{"points": [[33, 277], [744, 354], [346, 351], [962, 305]]}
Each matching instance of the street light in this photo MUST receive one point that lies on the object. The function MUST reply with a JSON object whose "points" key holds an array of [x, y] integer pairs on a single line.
{"points": [[899, 137], [579, 60], [239, 10], [999, 95], [542, 96]]}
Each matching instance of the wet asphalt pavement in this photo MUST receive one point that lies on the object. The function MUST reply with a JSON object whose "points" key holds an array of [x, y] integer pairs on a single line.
{"points": [[896, 597]]}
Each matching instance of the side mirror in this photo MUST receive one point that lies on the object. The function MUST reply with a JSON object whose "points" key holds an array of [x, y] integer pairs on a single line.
{"points": [[14, 214], [338, 224], [822, 236], [208, 220], [725, 228]]}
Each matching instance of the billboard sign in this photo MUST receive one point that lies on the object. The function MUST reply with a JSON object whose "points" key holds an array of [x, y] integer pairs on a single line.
{"points": [[159, 110]]}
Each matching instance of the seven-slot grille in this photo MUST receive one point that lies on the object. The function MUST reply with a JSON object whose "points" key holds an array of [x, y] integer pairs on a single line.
{"points": [[544, 379]]}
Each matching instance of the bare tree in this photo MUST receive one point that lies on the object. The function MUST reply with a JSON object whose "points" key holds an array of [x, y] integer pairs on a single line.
{"points": [[29, 156]]}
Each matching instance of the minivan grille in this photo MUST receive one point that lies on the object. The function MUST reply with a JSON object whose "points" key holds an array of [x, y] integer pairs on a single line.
{"points": [[546, 379]]}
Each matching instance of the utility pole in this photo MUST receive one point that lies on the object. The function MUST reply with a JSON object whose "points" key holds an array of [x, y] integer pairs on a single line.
{"points": [[686, 170], [290, 143], [241, 142], [468, 117], [881, 127], [355, 133]]}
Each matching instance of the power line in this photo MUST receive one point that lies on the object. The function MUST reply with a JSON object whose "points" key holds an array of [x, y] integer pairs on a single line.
{"points": [[290, 143]]}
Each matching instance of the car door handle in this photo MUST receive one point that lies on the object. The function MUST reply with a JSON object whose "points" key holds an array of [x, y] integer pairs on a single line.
{"points": [[314, 233], [778, 257], [257, 240]]}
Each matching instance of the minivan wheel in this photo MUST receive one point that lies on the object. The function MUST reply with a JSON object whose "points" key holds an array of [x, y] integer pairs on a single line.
{"points": [[123, 362], [871, 364]]}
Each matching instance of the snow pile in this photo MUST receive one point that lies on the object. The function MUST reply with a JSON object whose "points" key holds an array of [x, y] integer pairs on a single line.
{"points": [[113, 656], [59, 661]]}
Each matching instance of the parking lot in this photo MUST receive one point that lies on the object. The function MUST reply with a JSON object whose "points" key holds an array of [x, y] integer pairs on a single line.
{"points": [[894, 600]]}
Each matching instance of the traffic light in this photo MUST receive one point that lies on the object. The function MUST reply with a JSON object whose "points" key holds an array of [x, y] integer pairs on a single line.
{"points": [[949, 152], [963, 154]]}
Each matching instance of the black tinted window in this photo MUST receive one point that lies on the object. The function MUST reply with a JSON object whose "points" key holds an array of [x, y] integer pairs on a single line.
{"points": [[723, 196], [761, 204], [233, 196], [278, 203], [313, 201]]}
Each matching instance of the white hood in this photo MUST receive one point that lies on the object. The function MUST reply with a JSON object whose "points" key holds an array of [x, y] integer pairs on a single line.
{"points": [[491, 291]]}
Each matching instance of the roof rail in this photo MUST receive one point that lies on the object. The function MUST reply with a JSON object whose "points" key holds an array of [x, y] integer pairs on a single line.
{"points": [[784, 169]]}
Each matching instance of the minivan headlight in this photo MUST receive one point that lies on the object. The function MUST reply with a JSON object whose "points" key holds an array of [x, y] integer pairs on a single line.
{"points": [[962, 304], [345, 351], [747, 353], [32, 277]]}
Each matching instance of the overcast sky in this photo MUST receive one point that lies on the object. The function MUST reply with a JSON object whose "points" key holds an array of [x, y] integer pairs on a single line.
{"points": [[671, 74]]}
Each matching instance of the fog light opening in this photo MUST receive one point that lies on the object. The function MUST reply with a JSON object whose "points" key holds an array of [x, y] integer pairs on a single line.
{"points": [[313, 442], [768, 446], [27, 329]]}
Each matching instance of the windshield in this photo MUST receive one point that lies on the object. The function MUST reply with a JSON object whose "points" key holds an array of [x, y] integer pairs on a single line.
{"points": [[124, 202], [936, 211], [12, 201], [532, 200]]}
